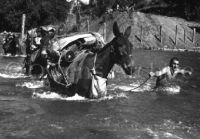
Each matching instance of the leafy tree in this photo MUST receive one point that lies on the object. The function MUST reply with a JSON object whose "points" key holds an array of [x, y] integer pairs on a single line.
{"points": [[44, 12], [38, 12]]}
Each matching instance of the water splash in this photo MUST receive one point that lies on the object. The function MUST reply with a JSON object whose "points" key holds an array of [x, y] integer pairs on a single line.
{"points": [[55, 96], [9, 55], [160, 134], [151, 133], [169, 90], [32, 84], [170, 135], [13, 75], [174, 89]]}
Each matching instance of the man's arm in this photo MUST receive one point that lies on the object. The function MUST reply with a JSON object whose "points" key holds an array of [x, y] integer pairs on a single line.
{"points": [[182, 71], [158, 73]]}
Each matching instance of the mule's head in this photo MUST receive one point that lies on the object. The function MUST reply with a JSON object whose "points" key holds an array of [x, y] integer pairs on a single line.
{"points": [[123, 49], [47, 35]]}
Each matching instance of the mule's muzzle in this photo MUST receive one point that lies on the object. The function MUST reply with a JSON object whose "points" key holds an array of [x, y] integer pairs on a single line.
{"points": [[129, 70]]}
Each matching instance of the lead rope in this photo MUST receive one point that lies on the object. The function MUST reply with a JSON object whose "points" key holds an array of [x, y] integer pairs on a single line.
{"points": [[142, 82]]}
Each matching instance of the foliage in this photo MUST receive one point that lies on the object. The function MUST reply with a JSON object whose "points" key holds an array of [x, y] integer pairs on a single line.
{"points": [[38, 12], [43, 12], [188, 9]]}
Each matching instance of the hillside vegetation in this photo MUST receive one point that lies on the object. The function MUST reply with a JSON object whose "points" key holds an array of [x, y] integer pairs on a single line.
{"points": [[44, 12], [150, 24]]}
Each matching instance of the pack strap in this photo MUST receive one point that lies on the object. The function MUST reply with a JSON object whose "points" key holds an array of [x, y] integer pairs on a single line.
{"points": [[93, 70]]}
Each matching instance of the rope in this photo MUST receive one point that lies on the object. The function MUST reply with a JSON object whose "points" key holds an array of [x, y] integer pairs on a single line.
{"points": [[141, 84], [59, 66], [143, 81], [52, 78]]}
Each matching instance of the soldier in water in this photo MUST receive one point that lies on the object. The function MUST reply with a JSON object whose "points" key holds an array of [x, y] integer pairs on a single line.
{"points": [[168, 73]]}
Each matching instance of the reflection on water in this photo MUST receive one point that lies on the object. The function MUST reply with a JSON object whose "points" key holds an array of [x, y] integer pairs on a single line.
{"points": [[29, 110]]}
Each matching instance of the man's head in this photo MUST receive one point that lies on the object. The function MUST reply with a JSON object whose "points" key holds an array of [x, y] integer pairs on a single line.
{"points": [[174, 63]]}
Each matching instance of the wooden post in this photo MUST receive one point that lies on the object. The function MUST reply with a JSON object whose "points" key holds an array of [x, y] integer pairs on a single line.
{"points": [[141, 34], [176, 32], [104, 31], [71, 8], [23, 26], [78, 15], [88, 25], [194, 35], [184, 35], [161, 34]]}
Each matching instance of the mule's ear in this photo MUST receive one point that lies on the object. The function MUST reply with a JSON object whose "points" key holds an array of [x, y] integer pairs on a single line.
{"points": [[127, 33], [116, 29]]}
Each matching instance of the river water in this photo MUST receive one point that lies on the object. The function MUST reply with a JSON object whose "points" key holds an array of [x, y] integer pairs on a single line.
{"points": [[29, 110]]}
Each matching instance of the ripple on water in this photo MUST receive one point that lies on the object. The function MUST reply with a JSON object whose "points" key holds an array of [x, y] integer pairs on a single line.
{"points": [[137, 87], [12, 70], [171, 129], [14, 108]]}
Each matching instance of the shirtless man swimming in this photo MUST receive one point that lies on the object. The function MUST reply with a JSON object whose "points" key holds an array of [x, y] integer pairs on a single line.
{"points": [[168, 73]]}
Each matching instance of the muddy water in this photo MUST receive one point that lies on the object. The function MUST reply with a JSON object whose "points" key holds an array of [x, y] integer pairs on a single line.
{"points": [[29, 110]]}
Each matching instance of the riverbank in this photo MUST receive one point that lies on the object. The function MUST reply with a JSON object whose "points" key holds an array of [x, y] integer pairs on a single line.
{"points": [[197, 50]]}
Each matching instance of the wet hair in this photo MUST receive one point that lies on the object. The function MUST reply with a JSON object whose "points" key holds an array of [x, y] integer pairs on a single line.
{"points": [[172, 60]]}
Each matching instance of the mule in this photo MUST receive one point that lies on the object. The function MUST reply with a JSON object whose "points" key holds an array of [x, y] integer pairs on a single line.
{"points": [[36, 61], [37, 58], [87, 74], [10, 45]]}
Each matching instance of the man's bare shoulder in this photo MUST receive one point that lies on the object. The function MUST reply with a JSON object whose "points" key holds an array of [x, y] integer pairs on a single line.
{"points": [[165, 69]]}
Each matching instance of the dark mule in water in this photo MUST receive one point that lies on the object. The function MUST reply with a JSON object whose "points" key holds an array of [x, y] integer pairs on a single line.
{"points": [[10, 45], [88, 72]]}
